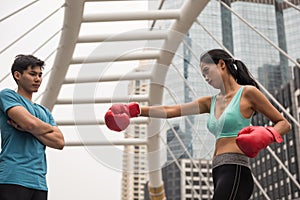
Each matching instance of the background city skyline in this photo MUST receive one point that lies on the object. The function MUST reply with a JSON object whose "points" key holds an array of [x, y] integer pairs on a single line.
{"points": [[264, 62]]}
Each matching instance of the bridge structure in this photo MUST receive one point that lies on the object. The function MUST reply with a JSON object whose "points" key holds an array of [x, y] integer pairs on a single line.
{"points": [[94, 51]]}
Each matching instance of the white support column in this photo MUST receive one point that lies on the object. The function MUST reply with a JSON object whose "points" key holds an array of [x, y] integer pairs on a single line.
{"points": [[106, 142], [113, 77], [188, 14], [71, 27], [128, 16], [127, 36], [96, 122], [108, 99], [141, 55], [155, 185]]}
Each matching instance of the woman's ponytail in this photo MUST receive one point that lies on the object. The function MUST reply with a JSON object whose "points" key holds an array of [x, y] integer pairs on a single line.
{"points": [[243, 76]]}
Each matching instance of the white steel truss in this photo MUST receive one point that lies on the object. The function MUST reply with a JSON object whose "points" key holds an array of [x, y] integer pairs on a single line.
{"points": [[154, 46], [162, 56]]}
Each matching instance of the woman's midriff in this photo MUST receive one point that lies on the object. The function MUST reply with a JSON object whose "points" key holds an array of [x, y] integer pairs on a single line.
{"points": [[226, 145]]}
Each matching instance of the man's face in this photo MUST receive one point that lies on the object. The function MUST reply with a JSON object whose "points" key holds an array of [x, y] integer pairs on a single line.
{"points": [[31, 79]]}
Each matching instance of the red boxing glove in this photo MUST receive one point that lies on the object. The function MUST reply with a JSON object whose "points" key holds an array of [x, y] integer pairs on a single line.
{"points": [[117, 116], [131, 109], [252, 139], [116, 122]]}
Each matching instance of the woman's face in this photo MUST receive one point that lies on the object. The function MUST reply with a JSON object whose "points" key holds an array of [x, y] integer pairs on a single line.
{"points": [[211, 74]]}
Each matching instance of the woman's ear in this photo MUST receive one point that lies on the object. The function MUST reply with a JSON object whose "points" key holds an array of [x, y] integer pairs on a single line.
{"points": [[222, 64]]}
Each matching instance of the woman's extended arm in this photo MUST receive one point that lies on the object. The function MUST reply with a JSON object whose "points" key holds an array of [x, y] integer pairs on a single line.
{"points": [[198, 106]]}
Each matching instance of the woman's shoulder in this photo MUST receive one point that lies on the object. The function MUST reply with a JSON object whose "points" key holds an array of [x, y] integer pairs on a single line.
{"points": [[251, 91], [206, 99], [250, 88], [204, 103]]}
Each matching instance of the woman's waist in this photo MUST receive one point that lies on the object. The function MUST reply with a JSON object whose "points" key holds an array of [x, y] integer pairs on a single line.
{"points": [[227, 145], [231, 158]]}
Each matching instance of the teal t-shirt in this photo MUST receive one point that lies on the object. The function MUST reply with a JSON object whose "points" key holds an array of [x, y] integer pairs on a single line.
{"points": [[22, 157]]}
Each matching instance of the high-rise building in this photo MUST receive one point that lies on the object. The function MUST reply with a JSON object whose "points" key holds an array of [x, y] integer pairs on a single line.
{"points": [[135, 173], [175, 145], [273, 71], [278, 23], [248, 46], [296, 91], [269, 76], [274, 180], [184, 74], [187, 179]]}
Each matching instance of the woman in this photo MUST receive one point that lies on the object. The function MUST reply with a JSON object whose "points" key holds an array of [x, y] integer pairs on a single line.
{"points": [[230, 111]]}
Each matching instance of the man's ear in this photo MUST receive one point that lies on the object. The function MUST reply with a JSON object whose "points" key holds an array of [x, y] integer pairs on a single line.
{"points": [[17, 75]]}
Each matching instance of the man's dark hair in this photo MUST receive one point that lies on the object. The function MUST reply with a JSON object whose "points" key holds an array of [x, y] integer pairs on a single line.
{"points": [[22, 62]]}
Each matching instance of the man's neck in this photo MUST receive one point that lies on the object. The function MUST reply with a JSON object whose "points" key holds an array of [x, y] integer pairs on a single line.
{"points": [[25, 94]]}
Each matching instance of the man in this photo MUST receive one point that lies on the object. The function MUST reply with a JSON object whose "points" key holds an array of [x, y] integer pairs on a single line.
{"points": [[26, 129]]}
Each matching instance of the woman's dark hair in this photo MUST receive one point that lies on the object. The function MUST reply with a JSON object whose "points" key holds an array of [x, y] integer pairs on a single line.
{"points": [[22, 62], [235, 67]]}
